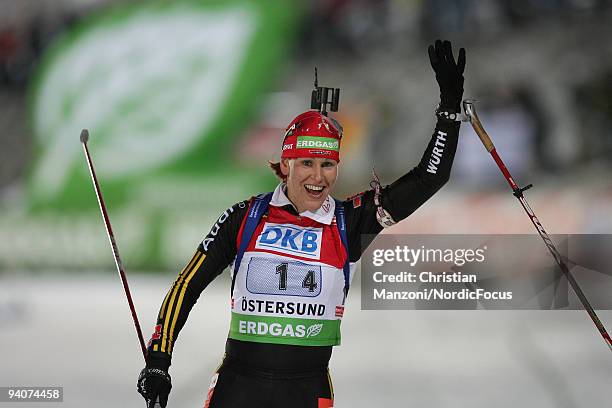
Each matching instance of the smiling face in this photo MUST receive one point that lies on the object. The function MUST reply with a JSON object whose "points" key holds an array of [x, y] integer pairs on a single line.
{"points": [[309, 181]]}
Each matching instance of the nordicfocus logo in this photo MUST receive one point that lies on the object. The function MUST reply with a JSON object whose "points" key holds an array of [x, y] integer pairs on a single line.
{"points": [[279, 330], [309, 142], [291, 239]]}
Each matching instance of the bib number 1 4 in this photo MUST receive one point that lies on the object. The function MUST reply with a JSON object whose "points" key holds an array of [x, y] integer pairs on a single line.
{"points": [[309, 282], [283, 278]]}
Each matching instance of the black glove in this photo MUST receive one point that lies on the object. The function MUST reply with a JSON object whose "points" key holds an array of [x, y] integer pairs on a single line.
{"points": [[154, 384], [448, 74]]}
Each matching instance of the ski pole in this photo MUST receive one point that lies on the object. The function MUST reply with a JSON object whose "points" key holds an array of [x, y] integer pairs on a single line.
{"points": [[111, 239], [472, 117]]}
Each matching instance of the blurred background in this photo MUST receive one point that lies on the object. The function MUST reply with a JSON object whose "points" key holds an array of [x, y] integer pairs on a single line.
{"points": [[186, 101]]}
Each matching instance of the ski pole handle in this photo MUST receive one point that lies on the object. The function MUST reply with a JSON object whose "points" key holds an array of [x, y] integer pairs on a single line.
{"points": [[468, 107]]}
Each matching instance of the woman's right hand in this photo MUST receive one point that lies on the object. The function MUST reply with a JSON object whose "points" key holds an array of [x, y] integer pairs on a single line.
{"points": [[154, 384]]}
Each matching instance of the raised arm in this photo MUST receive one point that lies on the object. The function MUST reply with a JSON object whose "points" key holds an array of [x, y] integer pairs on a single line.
{"points": [[409, 192]]}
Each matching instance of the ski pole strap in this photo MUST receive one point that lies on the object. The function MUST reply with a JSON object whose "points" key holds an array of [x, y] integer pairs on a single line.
{"points": [[382, 216], [341, 223]]}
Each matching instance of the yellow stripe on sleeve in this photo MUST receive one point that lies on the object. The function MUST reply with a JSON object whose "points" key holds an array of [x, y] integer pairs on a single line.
{"points": [[180, 300], [167, 318], [163, 310]]}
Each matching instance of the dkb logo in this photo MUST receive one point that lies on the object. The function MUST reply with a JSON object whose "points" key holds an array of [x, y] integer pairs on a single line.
{"points": [[291, 239]]}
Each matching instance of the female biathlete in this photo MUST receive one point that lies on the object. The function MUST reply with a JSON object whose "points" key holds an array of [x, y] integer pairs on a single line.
{"points": [[293, 253]]}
